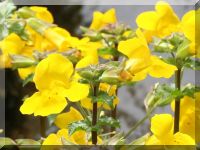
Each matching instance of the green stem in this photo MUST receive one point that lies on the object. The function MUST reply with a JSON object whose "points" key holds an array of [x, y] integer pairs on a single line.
{"points": [[43, 127], [94, 116], [177, 101], [139, 122]]}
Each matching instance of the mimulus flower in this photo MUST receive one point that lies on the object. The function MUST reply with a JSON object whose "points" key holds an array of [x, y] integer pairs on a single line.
{"points": [[140, 61], [53, 78], [100, 20], [162, 129], [42, 13], [161, 22]]}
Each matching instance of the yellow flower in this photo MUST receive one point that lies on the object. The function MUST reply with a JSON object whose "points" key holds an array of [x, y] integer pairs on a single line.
{"points": [[42, 13], [161, 22], [59, 37], [188, 25], [88, 51], [141, 62], [79, 137], [54, 82], [100, 20], [64, 119], [162, 129], [189, 116], [11, 45]]}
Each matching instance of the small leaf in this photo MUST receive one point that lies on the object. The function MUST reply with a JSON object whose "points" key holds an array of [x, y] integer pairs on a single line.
{"points": [[104, 98], [28, 79], [77, 126]]}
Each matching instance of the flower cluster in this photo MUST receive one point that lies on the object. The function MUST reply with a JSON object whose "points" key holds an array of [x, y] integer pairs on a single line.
{"points": [[77, 79]]}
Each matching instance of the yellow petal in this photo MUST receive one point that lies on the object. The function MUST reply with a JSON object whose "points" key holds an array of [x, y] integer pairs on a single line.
{"points": [[86, 103], [55, 69], [77, 91], [25, 72], [12, 44], [100, 20], [79, 137], [147, 20], [64, 119], [42, 13], [43, 103], [52, 139], [59, 37], [152, 140], [181, 139], [162, 126], [160, 69], [134, 48]]}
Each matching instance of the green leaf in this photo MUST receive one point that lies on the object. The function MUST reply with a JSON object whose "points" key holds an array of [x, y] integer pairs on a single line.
{"points": [[108, 121], [105, 98], [78, 125], [193, 64], [28, 79], [27, 142]]}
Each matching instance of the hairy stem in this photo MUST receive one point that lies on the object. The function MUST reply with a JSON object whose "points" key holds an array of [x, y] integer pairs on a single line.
{"points": [[43, 126], [94, 116], [177, 101]]}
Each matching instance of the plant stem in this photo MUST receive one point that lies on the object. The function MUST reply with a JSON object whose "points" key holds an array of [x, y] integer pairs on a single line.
{"points": [[94, 116], [114, 111], [43, 126], [177, 101]]}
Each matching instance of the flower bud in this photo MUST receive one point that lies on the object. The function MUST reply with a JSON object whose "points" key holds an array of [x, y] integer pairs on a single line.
{"points": [[183, 50], [25, 12]]}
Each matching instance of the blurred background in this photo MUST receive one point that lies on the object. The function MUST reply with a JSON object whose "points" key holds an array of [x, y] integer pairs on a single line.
{"points": [[131, 107]]}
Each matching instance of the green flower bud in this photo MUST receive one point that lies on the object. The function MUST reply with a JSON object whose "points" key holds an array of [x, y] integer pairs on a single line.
{"points": [[19, 61], [25, 12], [183, 50]]}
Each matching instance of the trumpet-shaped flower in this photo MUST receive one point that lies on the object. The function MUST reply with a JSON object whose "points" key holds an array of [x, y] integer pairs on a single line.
{"points": [[100, 20], [79, 137], [162, 129], [64, 119], [141, 62], [189, 116], [11, 45], [53, 75], [161, 22], [42, 13]]}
